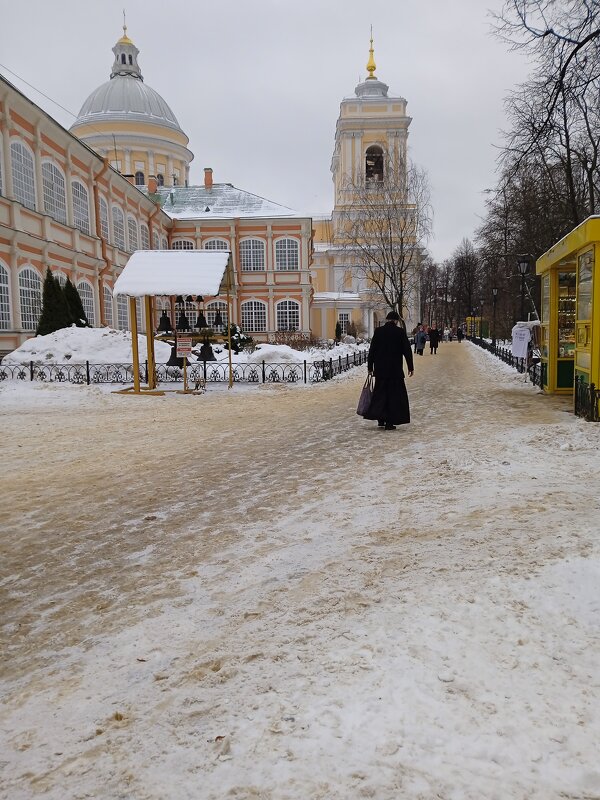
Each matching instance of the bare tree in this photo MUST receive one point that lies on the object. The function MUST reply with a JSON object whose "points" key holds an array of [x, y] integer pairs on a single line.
{"points": [[383, 230]]}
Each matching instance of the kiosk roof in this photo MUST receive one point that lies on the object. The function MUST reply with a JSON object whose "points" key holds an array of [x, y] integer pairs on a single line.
{"points": [[172, 272]]}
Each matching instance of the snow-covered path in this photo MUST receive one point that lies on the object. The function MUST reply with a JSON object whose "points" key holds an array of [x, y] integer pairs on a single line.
{"points": [[256, 594]]}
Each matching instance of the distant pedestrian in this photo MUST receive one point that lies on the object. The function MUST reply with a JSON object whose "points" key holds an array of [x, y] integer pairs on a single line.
{"points": [[389, 346], [420, 341], [416, 330], [434, 339], [459, 334]]}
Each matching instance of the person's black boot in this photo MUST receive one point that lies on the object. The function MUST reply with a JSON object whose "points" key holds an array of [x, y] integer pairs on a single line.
{"points": [[389, 426], [380, 423]]}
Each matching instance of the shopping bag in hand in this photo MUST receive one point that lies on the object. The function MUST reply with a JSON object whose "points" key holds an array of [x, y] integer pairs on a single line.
{"points": [[366, 395]]}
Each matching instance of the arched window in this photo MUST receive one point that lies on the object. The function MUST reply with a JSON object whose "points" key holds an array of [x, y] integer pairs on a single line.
{"points": [[108, 306], [104, 219], [211, 310], [53, 182], [164, 244], [139, 179], [216, 244], [132, 232], [254, 316], [118, 220], [22, 174], [182, 244], [123, 60], [288, 315], [87, 300], [4, 299], [286, 254], [160, 180], [374, 163], [155, 241], [30, 298], [131, 59], [252, 255], [81, 207], [138, 314], [122, 313], [145, 236], [61, 278]]}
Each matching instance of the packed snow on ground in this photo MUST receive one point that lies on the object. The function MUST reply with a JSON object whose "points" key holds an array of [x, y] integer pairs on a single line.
{"points": [[108, 346], [258, 595]]}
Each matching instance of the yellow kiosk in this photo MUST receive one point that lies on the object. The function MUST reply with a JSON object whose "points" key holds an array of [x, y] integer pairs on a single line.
{"points": [[570, 337]]}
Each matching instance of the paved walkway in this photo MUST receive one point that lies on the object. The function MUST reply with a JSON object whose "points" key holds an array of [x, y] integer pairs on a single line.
{"points": [[175, 572]]}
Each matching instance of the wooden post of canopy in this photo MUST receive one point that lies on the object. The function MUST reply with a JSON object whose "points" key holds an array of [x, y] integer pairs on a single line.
{"points": [[150, 341], [134, 345], [229, 323]]}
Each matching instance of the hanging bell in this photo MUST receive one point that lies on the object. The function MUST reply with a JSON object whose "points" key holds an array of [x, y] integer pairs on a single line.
{"points": [[183, 322], [199, 298], [201, 321], [189, 299], [218, 323], [174, 360], [164, 324], [179, 300]]}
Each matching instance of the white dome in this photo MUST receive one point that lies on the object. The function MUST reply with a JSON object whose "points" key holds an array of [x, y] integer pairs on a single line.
{"points": [[126, 98]]}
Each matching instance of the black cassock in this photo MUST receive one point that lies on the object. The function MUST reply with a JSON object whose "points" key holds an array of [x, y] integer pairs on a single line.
{"points": [[389, 346]]}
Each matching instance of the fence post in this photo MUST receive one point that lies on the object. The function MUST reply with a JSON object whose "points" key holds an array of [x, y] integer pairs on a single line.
{"points": [[304, 370], [331, 367], [263, 371], [31, 370], [87, 372]]}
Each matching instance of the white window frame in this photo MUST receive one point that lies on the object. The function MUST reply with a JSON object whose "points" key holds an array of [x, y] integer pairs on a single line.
{"points": [[54, 188], [155, 241], [81, 206], [284, 309], [23, 173], [30, 297], [118, 227], [254, 316], [287, 254], [61, 278], [216, 244], [144, 236], [211, 311], [344, 320], [122, 313], [5, 315], [183, 244], [86, 292], [164, 244], [108, 305], [252, 255], [104, 226], [132, 234]]}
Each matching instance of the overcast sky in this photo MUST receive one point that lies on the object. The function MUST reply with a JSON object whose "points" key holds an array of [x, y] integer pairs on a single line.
{"points": [[256, 84]]}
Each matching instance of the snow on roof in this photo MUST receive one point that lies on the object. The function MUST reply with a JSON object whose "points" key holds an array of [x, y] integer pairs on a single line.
{"points": [[335, 296], [172, 272], [221, 201]]}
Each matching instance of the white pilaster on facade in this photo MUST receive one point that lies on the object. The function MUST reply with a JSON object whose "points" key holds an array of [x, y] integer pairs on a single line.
{"points": [[14, 287], [37, 162]]}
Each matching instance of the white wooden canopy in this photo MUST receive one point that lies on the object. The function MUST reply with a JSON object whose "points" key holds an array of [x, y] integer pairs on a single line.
{"points": [[151, 273]]}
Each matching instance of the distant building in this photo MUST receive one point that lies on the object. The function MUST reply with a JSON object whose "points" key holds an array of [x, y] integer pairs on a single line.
{"points": [[80, 201]]}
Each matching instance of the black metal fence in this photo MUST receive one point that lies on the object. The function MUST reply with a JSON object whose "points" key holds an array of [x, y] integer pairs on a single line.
{"points": [[587, 400], [207, 371]]}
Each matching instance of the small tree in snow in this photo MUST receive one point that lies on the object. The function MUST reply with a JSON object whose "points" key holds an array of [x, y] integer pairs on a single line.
{"points": [[75, 306], [55, 310]]}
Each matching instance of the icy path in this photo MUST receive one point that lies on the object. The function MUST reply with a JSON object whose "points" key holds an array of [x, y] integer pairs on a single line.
{"points": [[256, 594]]}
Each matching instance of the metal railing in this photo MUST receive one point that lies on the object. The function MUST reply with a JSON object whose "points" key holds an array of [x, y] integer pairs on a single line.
{"points": [[207, 371], [587, 400]]}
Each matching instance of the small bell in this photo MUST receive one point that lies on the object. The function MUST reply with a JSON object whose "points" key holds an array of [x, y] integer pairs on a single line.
{"points": [[164, 324], [201, 321], [189, 299], [179, 300], [183, 322], [199, 298], [218, 323]]}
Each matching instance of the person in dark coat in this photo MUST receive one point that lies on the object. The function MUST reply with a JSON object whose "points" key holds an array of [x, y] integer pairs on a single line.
{"points": [[389, 346], [434, 340]]}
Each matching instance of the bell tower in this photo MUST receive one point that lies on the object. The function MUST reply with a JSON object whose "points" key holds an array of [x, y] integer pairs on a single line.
{"points": [[371, 133]]}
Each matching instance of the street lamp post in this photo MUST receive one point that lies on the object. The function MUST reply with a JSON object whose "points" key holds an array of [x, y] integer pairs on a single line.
{"points": [[481, 321], [523, 263], [494, 300]]}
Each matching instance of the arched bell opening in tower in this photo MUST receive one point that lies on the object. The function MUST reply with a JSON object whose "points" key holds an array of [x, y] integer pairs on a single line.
{"points": [[374, 163]]}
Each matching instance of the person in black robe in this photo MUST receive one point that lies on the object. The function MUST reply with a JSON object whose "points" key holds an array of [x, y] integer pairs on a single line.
{"points": [[389, 345]]}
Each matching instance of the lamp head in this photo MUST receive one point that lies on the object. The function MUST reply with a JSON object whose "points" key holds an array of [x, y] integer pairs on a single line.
{"points": [[523, 263]]}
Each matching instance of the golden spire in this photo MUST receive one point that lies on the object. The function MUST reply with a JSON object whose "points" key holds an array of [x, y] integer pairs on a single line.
{"points": [[371, 62], [124, 39]]}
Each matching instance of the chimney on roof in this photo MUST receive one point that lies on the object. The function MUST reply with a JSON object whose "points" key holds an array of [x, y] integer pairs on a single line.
{"points": [[152, 185], [208, 182]]}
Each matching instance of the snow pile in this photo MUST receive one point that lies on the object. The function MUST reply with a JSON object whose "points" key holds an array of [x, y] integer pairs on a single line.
{"points": [[77, 345]]}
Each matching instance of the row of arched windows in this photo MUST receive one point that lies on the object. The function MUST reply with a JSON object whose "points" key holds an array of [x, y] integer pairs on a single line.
{"points": [[252, 252], [125, 234], [254, 316]]}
